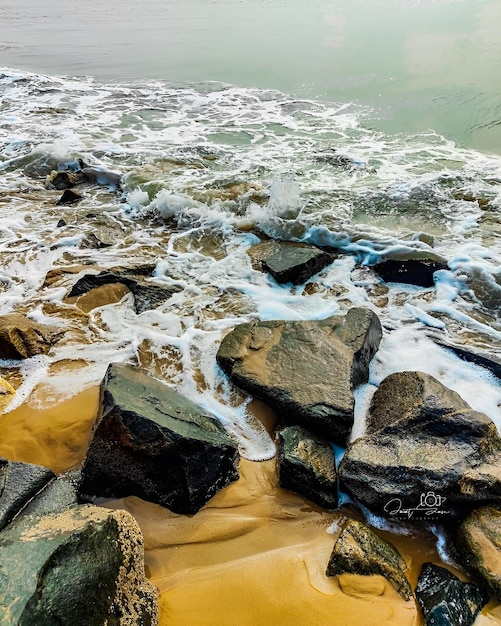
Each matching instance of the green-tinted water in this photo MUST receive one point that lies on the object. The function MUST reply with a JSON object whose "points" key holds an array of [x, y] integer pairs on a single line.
{"points": [[418, 64]]}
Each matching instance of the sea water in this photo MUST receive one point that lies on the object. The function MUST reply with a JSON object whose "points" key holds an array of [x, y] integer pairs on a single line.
{"points": [[357, 127]]}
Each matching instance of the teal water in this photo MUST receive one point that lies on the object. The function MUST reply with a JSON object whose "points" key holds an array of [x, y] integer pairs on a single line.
{"points": [[417, 64]]}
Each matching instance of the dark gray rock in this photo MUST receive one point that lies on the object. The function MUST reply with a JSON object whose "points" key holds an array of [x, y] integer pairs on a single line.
{"points": [[20, 483], [413, 271], [305, 370], [57, 496], [478, 542], [490, 362], [154, 443], [82, 566], [68, 197], [306, 465], [425, 451], [358, 550], [146, 295], [296, 263], [445, 600]]}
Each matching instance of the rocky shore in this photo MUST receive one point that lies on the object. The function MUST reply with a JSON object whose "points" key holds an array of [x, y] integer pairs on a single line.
{"points": [[131, 504]]}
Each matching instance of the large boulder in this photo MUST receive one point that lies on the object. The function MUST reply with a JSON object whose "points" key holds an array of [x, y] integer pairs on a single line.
{"points": [[445, 600], [81, 566], [425, 450], [479, 546], [305, 370], [306, 465], [358, 550], [154, 443], [19, 484], [21, 337], [295, 263]]}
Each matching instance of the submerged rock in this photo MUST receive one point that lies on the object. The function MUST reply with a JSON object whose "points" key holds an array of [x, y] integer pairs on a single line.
{"points": [[305, 370], [21, 337], [296, 263], [490, 362], [413, 271], [146, 295], [81, 566], [479, 546], [425, 450], [306, 465], [154, 443], [445, 600], [359, 550], [19, 484]]}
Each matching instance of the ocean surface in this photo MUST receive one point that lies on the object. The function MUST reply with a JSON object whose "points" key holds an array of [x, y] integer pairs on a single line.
{"points": [[372, 127]]}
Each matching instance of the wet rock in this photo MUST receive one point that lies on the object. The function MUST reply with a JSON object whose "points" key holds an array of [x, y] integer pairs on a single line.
{"points": [[102, 176], [445, 600], [306, 465], [68, 197], [61, 222], [57, 495], [65, 180], [81, 566], [412, 271], [479, 546], [305, 370], [359, 550], [156, 444], [146, 295], [425, 451], [93, 241], [21, 338], [19, 483], [488, 361], [6, 393], [296, 263]]}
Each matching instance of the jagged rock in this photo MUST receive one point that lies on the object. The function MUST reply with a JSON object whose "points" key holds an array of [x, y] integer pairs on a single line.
{"points": [[156, 444], [479, 546], [296, 263], [359, 550], [425, 450], [19, 483], [68, 197], [21, 338], [81, 566], [445, 600], [61, 222], [413, 271], [65, 180], [306, 465], [305, 370], [146, 295]]}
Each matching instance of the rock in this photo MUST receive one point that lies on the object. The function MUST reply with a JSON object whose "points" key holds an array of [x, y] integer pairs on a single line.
{"points": [[445, 600], [6, 393], [21, 338], [425, 450], [296, 263], [61, 222], [359, 550], [146, 295], [81, 566], [92, 241], [68, 197], [490, 362], [306, 465], [102, 176], [479, 546], [80, 174], [19, 483], [154, 443], [305, 370], [65, 180], [57, 495], [413, 271]]}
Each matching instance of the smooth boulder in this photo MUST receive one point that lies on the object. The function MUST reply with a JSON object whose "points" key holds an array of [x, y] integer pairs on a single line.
{"points": [[426, 450], [445, 600], [358, 550], [417, 272], [21, 337], [296, 263], [306, 466], [81, 566], [305, 370], [154, 443]]}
